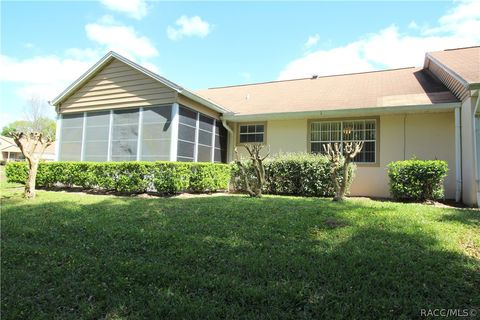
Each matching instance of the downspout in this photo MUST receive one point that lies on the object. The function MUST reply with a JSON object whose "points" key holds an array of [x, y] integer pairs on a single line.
{"points": [[458, 155], [475, 149], [230, 134]]}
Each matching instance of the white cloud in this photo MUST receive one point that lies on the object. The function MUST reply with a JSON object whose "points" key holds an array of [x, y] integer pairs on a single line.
{"points": [[47, 76], [392, 48], [122, 39], [312, 41], [413, 25], [189, 27], [136, 9], [42, 76]]}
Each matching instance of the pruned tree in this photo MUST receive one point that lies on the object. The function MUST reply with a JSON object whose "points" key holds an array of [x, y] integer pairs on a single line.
{"points": [[32, 145], [253, 186], [340, 157], [32, 139]]}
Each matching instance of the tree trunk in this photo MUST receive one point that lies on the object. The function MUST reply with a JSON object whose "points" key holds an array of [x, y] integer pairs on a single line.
{"points": [[30, 183], [340, 196]]}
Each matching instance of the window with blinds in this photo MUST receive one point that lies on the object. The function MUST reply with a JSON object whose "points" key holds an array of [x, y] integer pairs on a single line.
{"points": [[323, 132]]}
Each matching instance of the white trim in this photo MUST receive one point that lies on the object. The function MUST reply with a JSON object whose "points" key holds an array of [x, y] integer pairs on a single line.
{"points": [[342, 112], [240, 133], [84, 129], [140, 134], [174, 133], [110, 131], [197, 130], [58, 137], [212, 158]]}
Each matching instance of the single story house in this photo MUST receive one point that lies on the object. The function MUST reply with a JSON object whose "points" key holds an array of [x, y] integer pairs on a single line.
{"points": [[11, 152], [118, 110]]}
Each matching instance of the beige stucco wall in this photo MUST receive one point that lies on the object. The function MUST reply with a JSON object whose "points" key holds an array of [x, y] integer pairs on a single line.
{"points": [[426, 136]]}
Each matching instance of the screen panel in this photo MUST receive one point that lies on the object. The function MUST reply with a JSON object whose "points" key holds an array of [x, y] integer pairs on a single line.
{"points": [[71, 137], [156, 133], [205, 138], [186, 134], [125, 135], [96, 136]]}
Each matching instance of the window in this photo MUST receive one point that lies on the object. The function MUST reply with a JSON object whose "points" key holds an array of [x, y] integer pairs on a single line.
{"points": [[345, 131], [251, 133]]}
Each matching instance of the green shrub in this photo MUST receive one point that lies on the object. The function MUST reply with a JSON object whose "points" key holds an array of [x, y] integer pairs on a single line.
{"points": [[16, 172], [301, 174], [206, 177], [128, 176], [172, 177], [417, 180]]}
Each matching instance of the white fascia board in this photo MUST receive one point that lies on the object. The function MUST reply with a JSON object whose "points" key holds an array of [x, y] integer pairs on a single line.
{"points": [[357, 112]]}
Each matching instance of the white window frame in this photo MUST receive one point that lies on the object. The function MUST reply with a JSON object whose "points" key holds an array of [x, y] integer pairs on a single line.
{"points": [[375, 153], [240, 125]]}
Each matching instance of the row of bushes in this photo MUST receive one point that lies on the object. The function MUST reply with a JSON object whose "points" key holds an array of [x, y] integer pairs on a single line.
{"points": [[128, 176], [290, 174], [301, 174], [309, 175]]}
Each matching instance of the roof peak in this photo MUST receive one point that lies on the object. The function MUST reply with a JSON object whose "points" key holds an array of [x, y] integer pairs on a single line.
{"points": [[313, 77]]}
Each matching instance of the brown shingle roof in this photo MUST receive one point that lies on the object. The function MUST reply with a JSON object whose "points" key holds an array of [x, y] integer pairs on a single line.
{"points": [[465, 62], [398, 87]]}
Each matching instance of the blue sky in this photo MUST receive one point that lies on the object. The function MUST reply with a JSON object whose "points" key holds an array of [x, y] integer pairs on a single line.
{"points": [[47, 45]]}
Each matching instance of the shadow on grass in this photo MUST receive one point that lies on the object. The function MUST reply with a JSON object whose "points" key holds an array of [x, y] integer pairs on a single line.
{"points": [[468, 217], [222, 257]]}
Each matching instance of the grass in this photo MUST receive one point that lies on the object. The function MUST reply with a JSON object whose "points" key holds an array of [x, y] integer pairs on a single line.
{"points": [[77, 256]]}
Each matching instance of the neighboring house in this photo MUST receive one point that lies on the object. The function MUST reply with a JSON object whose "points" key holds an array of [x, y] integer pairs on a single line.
{"points": [[11, 152], [119, 110]]}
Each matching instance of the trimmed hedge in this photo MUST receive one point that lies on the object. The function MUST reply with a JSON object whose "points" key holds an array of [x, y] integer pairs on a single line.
{"points": [[300, 174], [417, 180], [128, 176]]}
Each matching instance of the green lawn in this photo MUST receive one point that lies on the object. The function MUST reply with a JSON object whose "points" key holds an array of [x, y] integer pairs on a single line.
{"points": [[77, 256]]}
